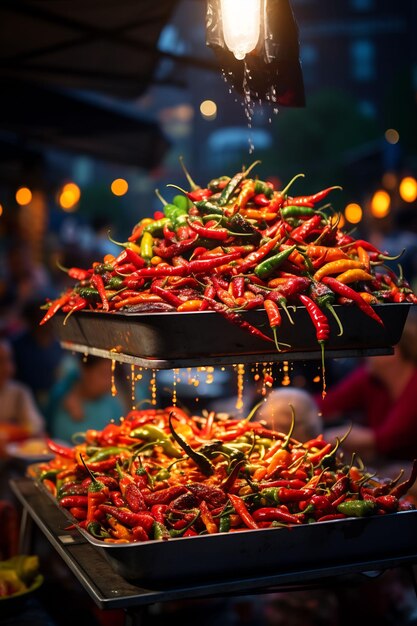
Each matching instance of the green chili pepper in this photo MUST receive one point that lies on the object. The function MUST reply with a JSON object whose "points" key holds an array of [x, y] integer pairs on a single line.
{"points": [[96, 529], [234, 183], [199, 459], [115, 282], [357, 508], [89, 293], [146, 246], [149, 432], [296, 211], [105, 453], [160, 531], [270, 494], [48, 474], [263, 187], [182, 202], [102, 268], [163, 474], [267, 267], [216, 183], [156, 227], [205, 206], [224, 524]]}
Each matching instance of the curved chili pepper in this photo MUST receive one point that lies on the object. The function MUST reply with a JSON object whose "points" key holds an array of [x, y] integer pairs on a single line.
{"points": [[278, 514], [353, 276], [348, 292], [336, 267], [242, 510], [234, 183], [199, 459], [314, 198], [235, 318], [54, 307]]}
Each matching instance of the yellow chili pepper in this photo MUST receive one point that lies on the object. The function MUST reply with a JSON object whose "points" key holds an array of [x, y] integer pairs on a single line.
{"points": [[334, 267], [146, 246], [352, 276], [363, 257], [155, 260]]}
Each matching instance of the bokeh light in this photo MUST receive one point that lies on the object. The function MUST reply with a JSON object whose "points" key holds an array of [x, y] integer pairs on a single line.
{"points": [[390, 180], [392, 135], [353, 213], [408, 189], [23, 196], [380, 203], [119, 187], [69, 197], [208, 109]]}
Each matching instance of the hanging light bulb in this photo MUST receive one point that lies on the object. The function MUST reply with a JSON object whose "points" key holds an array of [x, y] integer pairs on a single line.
{"points": [[241, 25]]}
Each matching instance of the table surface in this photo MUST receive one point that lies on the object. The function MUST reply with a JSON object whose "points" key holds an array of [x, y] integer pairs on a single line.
{"points": [[109, 590]]}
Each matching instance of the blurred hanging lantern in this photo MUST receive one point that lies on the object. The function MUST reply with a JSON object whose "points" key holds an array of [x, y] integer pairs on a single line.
{"points": [[256, 43]]}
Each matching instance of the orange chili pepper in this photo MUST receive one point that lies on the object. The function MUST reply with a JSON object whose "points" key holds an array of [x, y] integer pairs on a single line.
{"points": [[332, 253], [368, 297], [190, 305], [207, 518], [353, 275], [141, 297], [335, 267], [363, 257], [257, 214], [246, 193]]}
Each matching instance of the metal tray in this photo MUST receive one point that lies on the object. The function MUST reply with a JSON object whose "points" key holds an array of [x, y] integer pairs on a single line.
{"points": [[169, 340], [262, 552]]}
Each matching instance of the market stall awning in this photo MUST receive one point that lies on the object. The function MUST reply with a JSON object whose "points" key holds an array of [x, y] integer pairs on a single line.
{"points": [[37, 117]]}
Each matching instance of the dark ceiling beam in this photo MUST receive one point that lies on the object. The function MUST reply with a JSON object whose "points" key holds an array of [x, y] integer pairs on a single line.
{"points": [[93, 32], [124, 79]]}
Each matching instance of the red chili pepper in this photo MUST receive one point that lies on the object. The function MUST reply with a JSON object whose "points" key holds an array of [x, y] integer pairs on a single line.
{"points": [[80, 513], [117, 498], [317, 316], [301, 233], [238, 286], [123, 515], [403, 487], [199, 194], [210, 233], [78, 273], [254, 257], [134, 498], [273, 313], [270, 514], [293, 495], [242, 510], [69, 501], [174, 249], [158, 512], [158, 215], [261, 200], [97, 282], [55, 306], [139, 534], [164, 496], [346, 291], [166, 295], [331, 517], [313, 199], [59, 449]]}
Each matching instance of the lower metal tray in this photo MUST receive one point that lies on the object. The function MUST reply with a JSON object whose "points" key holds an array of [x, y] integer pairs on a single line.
{"points": [[169, 340], [264, 552]]}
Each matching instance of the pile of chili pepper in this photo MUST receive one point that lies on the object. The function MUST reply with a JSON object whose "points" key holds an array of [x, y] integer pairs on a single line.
{"points": [[162, 473], [240, 244]]}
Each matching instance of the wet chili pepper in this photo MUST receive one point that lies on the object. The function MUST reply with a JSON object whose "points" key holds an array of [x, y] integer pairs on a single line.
{"points": [[312, 199], [202, 462], [356, 508], [54, 307], [234, 183], [348, 292], [264, 269], [242, 510]]}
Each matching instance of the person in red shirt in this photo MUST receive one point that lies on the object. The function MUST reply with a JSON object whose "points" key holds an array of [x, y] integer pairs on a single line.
{"points": [[380, 398]]}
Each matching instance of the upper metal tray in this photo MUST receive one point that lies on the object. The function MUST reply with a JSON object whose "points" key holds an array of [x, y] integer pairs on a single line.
{"points": [[170, 340]]}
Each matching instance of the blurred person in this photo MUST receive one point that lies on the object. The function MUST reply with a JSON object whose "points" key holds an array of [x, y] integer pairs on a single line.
{"points": [[37, 353], [19, 416], [277, 414], [83, 400], [380, 398]]}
